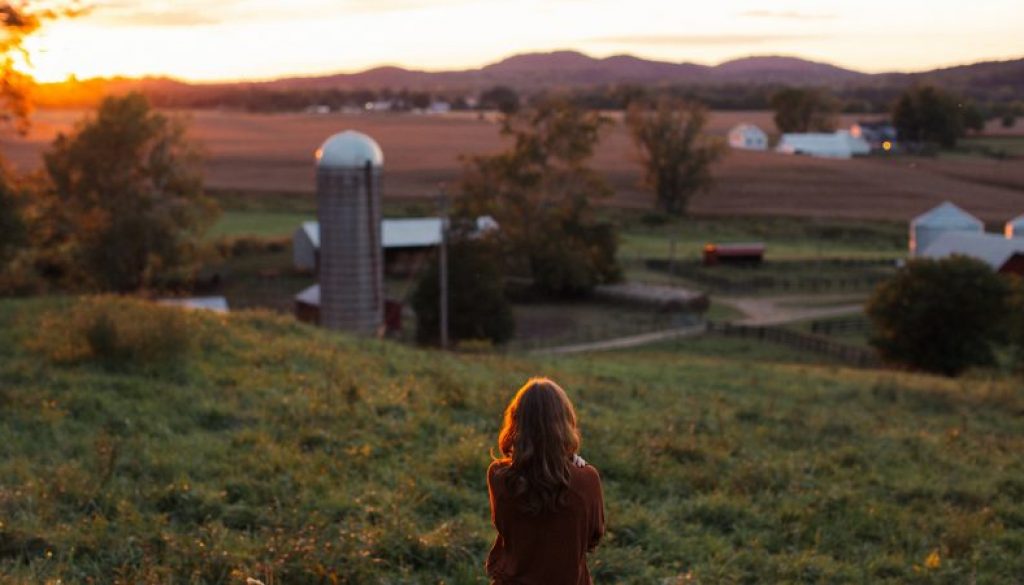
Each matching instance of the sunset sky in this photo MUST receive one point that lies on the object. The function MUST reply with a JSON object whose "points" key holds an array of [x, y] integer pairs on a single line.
{"points": [[260, 39]]}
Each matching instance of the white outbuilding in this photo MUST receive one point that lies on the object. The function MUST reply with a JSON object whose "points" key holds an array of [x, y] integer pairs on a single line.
{"points": [[840, 144], [1015, 227], [748, 137], [927, 227]]}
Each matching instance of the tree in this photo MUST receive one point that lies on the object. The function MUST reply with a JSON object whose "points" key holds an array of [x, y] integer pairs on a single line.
{"points": [[924, 113], [676, 156], [478, 308], [125, 207], [501, 98], [12, 228], [540, 191], [804, 110], [18, 21], [939, 315]]}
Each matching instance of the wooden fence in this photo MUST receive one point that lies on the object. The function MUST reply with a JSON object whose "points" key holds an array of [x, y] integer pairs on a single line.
{"points": [[855, 356], [840, 326]]}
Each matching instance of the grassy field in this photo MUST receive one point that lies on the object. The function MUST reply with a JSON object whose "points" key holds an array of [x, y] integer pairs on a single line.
{"points": [[274, 153], [289, 454]]}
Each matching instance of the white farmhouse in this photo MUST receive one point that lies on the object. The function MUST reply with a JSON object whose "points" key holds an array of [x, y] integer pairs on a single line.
{"points": [[748, 137]]}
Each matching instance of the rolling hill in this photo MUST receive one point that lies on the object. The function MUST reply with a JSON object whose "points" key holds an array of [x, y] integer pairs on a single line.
{"points": [[288, 454]]}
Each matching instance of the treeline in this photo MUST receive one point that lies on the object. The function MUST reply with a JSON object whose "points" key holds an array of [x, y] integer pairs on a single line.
{"points": [[993, 101]]}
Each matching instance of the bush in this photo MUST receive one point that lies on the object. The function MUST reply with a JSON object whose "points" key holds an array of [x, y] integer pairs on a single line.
{"points": [[115, 331], [939, 315], [478, 308]]}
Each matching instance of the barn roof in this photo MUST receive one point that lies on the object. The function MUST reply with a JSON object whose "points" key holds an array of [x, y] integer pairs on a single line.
{"points": [[947, 215], [991, 249], [417, 232]]}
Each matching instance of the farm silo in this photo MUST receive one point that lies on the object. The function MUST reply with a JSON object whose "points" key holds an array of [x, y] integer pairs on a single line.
{"points": [[928, 226], [1015, 227], [348, 208]]}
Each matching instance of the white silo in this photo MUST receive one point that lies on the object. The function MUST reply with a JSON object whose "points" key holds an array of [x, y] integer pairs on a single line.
{"points": [[348, 174], [1015, 227], [928, 226]]}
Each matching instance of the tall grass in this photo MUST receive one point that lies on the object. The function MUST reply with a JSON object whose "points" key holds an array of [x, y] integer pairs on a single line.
{"points": [[293, 455]]}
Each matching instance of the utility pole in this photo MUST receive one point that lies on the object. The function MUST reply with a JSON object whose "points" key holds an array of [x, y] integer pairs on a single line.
{"points": [[443, 268]]}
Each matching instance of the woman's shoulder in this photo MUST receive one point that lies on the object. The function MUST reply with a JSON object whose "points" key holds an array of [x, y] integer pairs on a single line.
{"points": [[497, 466], [587, 474]]}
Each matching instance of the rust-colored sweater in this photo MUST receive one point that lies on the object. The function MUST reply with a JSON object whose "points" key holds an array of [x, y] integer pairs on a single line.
{"points": [[549, 548]]}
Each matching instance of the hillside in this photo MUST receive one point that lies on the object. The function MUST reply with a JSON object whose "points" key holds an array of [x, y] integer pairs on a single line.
{"points": [[289, 454]]}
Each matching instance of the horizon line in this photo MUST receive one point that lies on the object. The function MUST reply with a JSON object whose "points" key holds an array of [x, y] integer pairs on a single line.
{"points": [[385, 65]]}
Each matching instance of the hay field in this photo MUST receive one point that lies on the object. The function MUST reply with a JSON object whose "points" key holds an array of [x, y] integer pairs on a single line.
{"points": [[259, 152]]}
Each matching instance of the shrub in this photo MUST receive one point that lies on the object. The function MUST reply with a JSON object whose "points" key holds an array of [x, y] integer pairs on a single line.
{"points": [[939, 315], [116, 331], [478, 308]]}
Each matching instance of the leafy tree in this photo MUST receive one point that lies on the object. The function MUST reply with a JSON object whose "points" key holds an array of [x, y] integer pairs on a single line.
{"points": [[126, 206], [18, 20], [501, 98], [804, 110], [939, 315], [12, 228], [676, 156], [540, 192], [478, 308], [925, 113]]}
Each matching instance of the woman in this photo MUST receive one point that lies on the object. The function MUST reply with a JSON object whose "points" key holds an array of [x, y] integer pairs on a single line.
{"points": [[546, 502]]}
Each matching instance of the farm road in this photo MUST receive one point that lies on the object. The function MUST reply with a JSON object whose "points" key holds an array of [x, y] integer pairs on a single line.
{"points": [[779, 310]]}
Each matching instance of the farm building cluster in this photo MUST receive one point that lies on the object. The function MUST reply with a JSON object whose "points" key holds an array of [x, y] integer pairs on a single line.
{"points": [[860, 139], [948, 230]]}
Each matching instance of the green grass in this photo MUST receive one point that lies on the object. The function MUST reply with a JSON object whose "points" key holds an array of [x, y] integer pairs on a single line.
{"points": [[293, 455], [261, 224], [785, 238]]}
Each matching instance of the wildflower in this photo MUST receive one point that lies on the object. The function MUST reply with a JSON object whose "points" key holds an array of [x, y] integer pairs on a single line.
{"points": [[934, 560]]}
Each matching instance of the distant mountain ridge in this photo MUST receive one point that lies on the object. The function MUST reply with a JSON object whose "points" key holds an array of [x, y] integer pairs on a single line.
{"points": [[572, 70]]}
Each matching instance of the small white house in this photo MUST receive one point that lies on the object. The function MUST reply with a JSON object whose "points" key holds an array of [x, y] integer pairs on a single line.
{"points": [[1015, 227], [927, 227], [748, 137], [840, 144]]}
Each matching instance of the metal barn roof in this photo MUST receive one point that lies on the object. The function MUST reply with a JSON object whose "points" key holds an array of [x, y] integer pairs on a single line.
{"points": [[417, 232], [992, 249], [948, 215]]}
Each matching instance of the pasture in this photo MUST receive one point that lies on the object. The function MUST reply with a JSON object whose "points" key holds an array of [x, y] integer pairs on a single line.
{"points": [[260, 153], [289, 454]]}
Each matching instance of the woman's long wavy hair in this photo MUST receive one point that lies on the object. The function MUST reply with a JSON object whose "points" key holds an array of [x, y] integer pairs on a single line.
{"points": [[537, 439]]}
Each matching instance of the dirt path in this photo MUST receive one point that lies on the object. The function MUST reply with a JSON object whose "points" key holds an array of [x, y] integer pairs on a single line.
{"points": [[623, 342], [779, 310]]}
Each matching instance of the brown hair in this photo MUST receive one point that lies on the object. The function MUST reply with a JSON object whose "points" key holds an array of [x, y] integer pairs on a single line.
{"points": [[537, 440]]}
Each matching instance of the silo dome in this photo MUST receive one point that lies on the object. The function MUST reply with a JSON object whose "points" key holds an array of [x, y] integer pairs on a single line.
{"points": [[349, 149]]}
